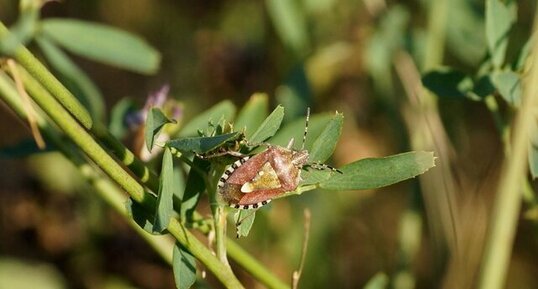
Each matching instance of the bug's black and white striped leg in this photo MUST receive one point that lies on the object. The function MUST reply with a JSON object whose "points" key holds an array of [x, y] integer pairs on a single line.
{"points": [[230, 169], [321, 167], [219, 154], [251, 206]]}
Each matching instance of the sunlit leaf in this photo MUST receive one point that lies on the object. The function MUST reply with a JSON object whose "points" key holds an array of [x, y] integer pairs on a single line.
{"points": [[374, 173], [154, 123], [252, 114], [224, 109], [165, 206], [500, 16], [508, 83], [201, 145], [184, 267], [269, 126], [244, 220], [326, 142], [378, 281], [20, 274], [295, 130], [290, 24], [103, 43]]}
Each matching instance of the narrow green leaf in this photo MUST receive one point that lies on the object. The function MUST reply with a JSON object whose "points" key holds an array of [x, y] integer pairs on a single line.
{"points": [[312, 176], [194, 188], [252, 114], [508, 83], [500, 16], [290, 24], [165, 205], [74, 78], [523, 54], [224, 109], [103, 43], [246, 220], [140, 215], [154, 123], [201, 145], [325, 143], [295, 130], [184, 267], [269, 126], [379, 281], [374, 173], [446, 82]]}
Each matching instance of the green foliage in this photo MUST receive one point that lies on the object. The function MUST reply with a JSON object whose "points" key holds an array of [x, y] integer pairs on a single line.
{"points": [[290, 24], [201, 145], [374, 173], [252, 114], [103, 43], [446, 82], [74, 78], [244, 221], [165, 206], [269, 126], [500, 16], [222, 110], [326, 142], [118, 115], [184, 266], [508, 83], [154, 123]]}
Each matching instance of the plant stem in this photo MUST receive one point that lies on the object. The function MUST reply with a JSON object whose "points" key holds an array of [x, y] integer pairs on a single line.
{"points": [[115, 198], [507, 204], [40, 72]]}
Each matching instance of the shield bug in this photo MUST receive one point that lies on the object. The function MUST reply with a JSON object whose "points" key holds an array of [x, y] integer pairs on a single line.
{"points": [[252, 181]]}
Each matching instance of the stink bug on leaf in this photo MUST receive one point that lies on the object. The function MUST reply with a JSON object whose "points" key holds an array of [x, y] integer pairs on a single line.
{"points": [[252, 181]]}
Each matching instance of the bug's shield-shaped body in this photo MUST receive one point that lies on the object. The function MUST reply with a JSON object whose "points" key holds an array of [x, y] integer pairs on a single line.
{"points": [[250, 183]]}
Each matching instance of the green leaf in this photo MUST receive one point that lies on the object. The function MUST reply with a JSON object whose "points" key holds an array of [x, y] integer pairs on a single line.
{"points": [[482, 88], [523, 54], [194, 188], [118, 126], [379, 281], [374, 173], [312, 176], [201, 145], [295, 130], [140, 215], [508, 83], [75, 79], [290, 24], [500, 16], [326, 142], [103, 43], [184, 267], [224, 109], [269, 126], [245, 220], [154, 123], [252, 114], [165, 205], [446, 82]]}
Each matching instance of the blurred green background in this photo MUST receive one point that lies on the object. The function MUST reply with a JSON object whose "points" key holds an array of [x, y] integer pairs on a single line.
{"points": [[362, 58]]}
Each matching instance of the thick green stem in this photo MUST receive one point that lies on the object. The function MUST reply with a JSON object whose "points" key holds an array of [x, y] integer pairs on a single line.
{"points": [[116, 199], [501, 233], [41, 73]]}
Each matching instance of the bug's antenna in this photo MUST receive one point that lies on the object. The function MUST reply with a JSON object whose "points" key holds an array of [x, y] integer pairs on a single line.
{"points": [[306, 127]]}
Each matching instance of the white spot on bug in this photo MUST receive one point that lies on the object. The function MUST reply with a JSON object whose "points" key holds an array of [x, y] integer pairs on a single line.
{"points": [[247, 188]]}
